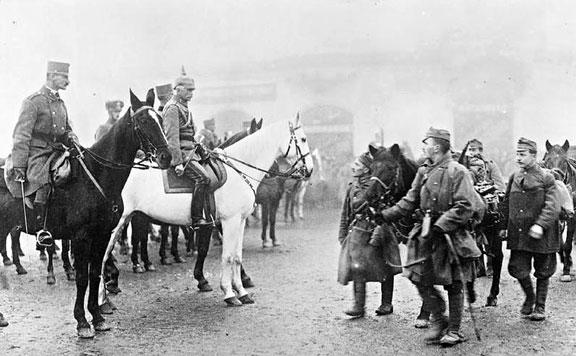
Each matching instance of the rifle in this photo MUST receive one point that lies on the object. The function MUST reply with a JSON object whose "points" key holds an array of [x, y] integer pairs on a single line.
{"points": [[463, 153]]}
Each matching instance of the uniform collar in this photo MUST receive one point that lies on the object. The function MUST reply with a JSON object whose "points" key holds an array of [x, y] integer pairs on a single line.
{"points": [[51, 93], [533, 168], [443, 161]]}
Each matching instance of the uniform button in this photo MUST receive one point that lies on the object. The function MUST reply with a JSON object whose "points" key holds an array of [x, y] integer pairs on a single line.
{"points": [[520, 230]]}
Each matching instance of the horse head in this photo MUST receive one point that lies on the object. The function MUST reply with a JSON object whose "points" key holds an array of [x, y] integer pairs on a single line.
{"points": [[297, 151], [556, 157], [385, 170], [146, 122]]}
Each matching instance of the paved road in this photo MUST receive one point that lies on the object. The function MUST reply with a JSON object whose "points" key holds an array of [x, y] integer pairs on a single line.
{"points": [[298, 309]]}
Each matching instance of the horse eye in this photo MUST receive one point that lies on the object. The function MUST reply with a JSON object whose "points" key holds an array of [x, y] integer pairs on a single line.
{"points": [[303, 139]]}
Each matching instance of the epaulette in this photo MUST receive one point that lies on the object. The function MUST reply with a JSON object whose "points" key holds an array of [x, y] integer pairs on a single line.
{"points": [[38, 93]]}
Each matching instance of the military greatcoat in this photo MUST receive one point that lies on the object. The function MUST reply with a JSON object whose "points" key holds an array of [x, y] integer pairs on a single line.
{"points": [[446, 190], [180, 131], [531, 199], [43, 122]]}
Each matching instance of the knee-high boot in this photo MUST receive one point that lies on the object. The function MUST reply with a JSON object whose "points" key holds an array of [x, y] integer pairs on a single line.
{"points": [[541, 294], [526, 284], [357, 309], [197, 209], [387, 289]]}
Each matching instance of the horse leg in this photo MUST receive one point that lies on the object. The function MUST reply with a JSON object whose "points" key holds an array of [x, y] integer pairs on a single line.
{"points": [[148, 266], [243, 296], [231, 228], [246, 280], [272, 217], [96, 257], [203, 234], [124, 241], [163, 240], [81, 261], [566, 250], [68, 269], [175, 231], [264, 220], [15, 238], [495, 245], [5, 259], [51, 278], [139, 232]]}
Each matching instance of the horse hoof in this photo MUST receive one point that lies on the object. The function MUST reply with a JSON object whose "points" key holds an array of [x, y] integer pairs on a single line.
{"points": [[491, 301], [138, 269], [247, 283], [205, 287], [165, 262], [86, 333], [7, 261], [565, 278], [233, 302], [51, 280], [105, 309], [178, 259], [265, 244], [276, 243], [246, 299], [21, 270], [150, 267], [102, 326]]}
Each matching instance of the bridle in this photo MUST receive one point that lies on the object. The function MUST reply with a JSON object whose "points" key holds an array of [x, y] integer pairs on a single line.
{"points": [[303, 170], [386, 196]]}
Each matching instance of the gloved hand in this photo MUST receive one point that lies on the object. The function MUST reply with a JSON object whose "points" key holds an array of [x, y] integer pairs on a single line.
{"points": [[71, 138], [536, 231], [20, 174], [179, 169]]}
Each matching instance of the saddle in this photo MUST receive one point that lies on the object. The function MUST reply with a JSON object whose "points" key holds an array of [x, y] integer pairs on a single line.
{"points": [[60, 169], [174, 183]]}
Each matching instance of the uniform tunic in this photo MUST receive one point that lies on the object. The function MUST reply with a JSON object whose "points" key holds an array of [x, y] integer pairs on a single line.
{"points": [[180, 131], [445, 189], [43, 121]]}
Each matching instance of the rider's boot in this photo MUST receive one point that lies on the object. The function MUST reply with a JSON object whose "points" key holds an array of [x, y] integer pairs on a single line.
{"points": [[197, 209], [43, 237]]}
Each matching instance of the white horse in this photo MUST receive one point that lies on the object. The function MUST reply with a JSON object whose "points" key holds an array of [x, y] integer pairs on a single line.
{"points": [[144, 191]]}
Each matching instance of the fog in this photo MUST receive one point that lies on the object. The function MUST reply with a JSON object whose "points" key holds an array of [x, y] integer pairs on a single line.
{"points": [[399, 66]]}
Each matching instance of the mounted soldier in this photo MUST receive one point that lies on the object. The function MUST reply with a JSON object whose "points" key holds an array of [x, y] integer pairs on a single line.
{"points": [[489, 183], [163, 93], [441, 250], [42, 129], [207, 135], [114, 108], [186, 151], [531, 211]]}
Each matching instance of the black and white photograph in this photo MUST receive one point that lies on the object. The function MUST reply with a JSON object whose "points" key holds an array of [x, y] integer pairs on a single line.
{"points": [[287, 177]]}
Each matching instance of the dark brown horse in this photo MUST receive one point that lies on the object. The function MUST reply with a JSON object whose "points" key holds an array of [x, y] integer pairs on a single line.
{"points": [[87, 208], [556, 157]]}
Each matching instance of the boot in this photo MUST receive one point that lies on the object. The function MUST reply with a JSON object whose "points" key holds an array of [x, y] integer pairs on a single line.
{"points": [[455, 307], [357, 309], [43, 237], [387, 288], [541, 293], [438, 325], [197, 209], [528, 304]]}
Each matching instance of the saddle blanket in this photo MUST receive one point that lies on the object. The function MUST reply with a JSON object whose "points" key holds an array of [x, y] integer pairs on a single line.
{"points": [[174, 183]]}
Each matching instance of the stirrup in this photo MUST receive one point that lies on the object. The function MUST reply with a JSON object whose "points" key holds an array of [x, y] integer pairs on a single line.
{"points": [[44, 238]]}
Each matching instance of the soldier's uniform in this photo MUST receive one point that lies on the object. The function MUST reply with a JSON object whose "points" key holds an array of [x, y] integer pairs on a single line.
{"points": [[444, 193], [531, 200], [164, 93], [180, 131], [43, 125], [207, 136], [111, 106]]}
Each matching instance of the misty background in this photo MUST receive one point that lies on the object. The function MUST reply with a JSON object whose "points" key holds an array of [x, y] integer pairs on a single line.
{"points": [[357, 71]]}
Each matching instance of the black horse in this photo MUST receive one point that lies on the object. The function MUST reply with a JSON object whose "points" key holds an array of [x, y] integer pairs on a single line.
{"points": [[88, 208], [556, 157]]}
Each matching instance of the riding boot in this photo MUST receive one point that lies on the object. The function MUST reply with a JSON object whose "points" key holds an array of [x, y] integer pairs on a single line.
{"points": [[197, 209], [43, 237], [541, 294], [387, 288], [528, 304], [357, 309]]}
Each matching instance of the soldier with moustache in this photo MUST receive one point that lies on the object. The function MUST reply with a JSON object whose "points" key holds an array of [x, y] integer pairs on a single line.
{"points": [[208, 136], [443, 195], [42, 128], [186, 151], [531, 211]]}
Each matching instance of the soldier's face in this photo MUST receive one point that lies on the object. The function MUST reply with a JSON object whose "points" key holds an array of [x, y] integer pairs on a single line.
{"points": [[429, 147], [114, 114], [525, 159], [473, 151], [185, 92], [60, 82]]}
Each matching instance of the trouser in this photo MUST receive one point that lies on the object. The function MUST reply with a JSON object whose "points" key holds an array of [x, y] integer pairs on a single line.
{"points": [[434, 302], [495, 250], [201, 197], [520, 263]]}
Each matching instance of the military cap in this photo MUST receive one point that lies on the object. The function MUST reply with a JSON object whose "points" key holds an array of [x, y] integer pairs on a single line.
{"points": [[184, 80], [58, 68], [437, 133], [210, 122], [365, 159], [114, 105], [475, 143], [525, 144], [163, 91]]}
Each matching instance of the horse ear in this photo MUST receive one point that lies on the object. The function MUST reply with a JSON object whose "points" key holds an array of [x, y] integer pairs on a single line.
{"points": [[259, 125], [253, 126], [297, 121], [150, 97], [548, 145], [396, 151], [373, 150], [566, 146], [135, 103]]}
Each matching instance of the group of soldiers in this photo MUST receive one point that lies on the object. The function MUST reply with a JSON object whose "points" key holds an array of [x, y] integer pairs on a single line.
{"points": [[447, 209]]}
